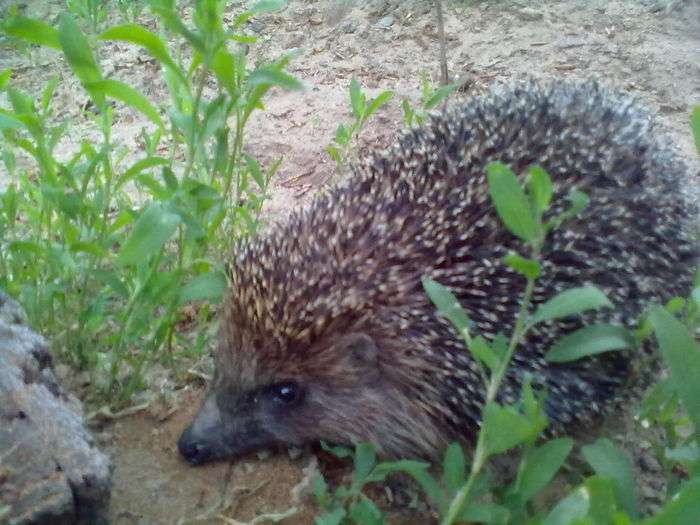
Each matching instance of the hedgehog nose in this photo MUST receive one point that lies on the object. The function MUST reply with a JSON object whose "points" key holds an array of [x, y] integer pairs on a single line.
{"points": [[195, 453]]}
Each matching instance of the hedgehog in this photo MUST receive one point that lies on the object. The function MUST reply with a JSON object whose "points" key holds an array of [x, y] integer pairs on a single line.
{"points": [[328, 335]]}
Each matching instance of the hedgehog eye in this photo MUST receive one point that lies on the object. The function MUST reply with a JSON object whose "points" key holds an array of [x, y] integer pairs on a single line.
{"points": [[287, 393]]}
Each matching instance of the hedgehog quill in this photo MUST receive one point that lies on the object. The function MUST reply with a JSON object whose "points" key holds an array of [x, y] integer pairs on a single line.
{"points": [[327, 333]]}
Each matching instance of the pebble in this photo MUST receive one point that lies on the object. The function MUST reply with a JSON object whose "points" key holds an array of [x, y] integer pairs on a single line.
{"points": [[385, 22]]}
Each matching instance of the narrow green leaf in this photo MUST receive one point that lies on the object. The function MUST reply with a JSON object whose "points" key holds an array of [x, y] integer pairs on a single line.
{"points": [[571, 508], [611, 463], [366, 512], [539, 466], [540, 187], [88, 247], [695, 124], [334, 517], [447, 305], [208, 286], [377, 102], [682, 355], [589, 340], [357, 101], [224, 68], [571, 302], [32, 31], [439, 95], [511, 203], [47, 93], [268, 75], [9, 122], [453, 468], [364, 460], [5, 76], [484, 513], [152, 230], [139, 166], [79, 55], [140, 36], [128, 95]]}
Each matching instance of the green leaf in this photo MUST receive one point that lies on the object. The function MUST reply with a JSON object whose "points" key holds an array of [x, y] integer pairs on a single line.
{"points": [[484, 513], [139, 166], [88, 247], [610, 463], [695, 124], [682, 509], [364, 460], [418, 470], [8, 122], [571, 508], [334, 517], [357, 99], [540, 187], [77, 51], [601, 494], [152, 230], [210, 286], [140, 36], [439, 95], [48, 92], [5, 76], [377, 102], [453, 468], [364, 511], [269, 75], [447, 305], [530, 268], [112, 280], [511, 203], [224, 67], [128, 95], [504, 428], [539, 466], [32, 31], [482, 351], [337, 450], [570, 302], [589, 340], [682, 355]]}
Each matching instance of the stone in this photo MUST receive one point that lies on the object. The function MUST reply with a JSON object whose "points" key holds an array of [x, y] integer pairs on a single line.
{"points": [[50, 469]]}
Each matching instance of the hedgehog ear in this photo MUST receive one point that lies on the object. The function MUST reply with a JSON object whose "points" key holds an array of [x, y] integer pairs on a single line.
{"points": [[360, 348]]}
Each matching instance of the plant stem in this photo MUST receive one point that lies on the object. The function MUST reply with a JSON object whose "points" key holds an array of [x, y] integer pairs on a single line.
{"points": [[480, 454]]}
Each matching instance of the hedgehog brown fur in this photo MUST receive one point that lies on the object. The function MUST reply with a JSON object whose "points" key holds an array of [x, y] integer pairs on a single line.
{"points": [[328, 334]]}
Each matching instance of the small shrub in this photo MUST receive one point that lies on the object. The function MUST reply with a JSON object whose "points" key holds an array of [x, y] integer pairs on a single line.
{"points": [[104, 253]]}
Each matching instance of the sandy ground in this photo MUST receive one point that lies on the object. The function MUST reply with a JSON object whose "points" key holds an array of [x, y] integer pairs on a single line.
{"points": [[650, 48]]}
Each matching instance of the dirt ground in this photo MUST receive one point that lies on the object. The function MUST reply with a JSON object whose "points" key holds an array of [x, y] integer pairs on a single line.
{"points": [[648, 47]]}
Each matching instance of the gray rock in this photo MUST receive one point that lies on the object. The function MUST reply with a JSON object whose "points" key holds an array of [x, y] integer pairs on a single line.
{"points": [[50, 469]]}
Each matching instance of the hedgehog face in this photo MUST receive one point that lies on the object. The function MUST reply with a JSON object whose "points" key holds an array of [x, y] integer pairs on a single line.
{"points": [[251, 406], [337, 393]]}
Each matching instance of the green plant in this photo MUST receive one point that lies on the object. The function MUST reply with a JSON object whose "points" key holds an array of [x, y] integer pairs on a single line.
{"points": [[104, 252], [92, 12], [466, 493], [362, 110], [430, 98]]}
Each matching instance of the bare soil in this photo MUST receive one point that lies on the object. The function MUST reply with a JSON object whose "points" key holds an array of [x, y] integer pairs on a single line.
{"points": [[647, 47]]}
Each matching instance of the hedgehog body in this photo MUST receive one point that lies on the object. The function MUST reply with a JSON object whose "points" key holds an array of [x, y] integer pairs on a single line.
{"points": [[328, 334]]}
